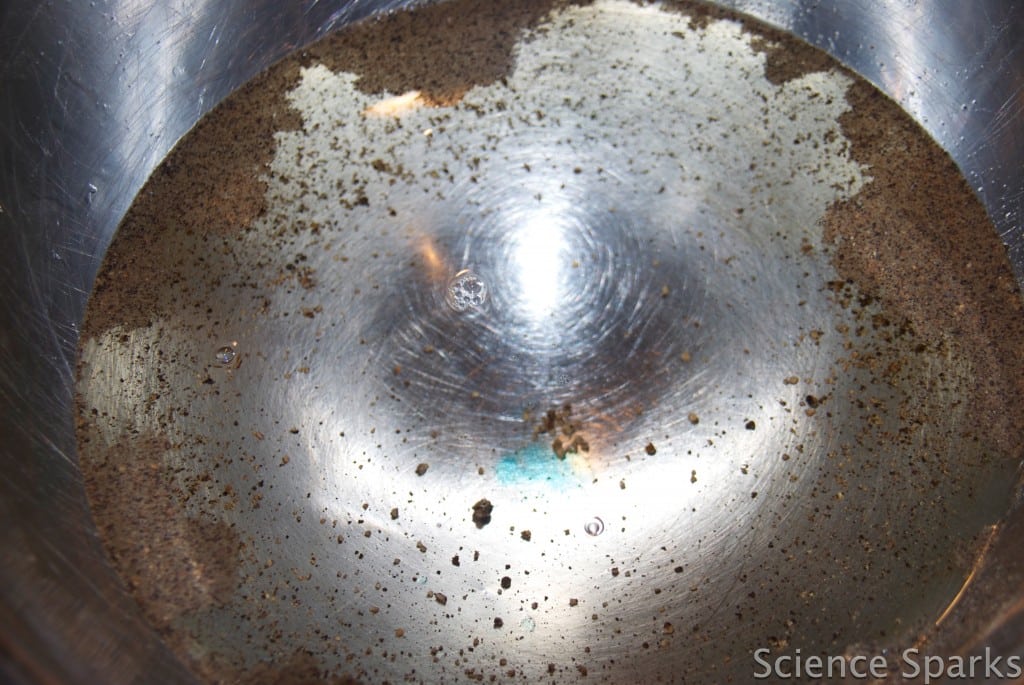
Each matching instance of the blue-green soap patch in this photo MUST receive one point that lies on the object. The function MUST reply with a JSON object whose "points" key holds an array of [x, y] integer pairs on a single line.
{"points": [[535, 463]]}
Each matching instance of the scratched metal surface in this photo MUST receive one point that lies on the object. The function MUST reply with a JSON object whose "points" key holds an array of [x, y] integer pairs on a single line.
{"points": [[94, 96]]}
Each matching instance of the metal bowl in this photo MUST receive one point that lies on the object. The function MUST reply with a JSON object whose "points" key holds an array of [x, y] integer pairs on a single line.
{"points": [[635, 366]]}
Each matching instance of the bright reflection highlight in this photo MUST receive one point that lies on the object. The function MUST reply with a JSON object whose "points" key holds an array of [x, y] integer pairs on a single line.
{"points": [[539, 258], [396, 106]]}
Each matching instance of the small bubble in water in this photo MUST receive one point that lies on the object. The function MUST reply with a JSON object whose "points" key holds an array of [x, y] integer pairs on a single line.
{"points": [[225, 355], [594, 526], [465, 291]]}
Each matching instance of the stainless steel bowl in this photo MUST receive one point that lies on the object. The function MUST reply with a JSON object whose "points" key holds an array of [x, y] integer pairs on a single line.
{"points": [[95, 98]]}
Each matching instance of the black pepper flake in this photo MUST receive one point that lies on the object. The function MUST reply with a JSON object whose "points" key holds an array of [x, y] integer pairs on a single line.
{"points": [[568, 440], [498, 623], [421, 469], [506, 583], [651, 449], [482, 513]]}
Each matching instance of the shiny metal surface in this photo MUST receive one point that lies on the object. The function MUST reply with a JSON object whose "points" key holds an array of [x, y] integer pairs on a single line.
{"points": [[92, 106]]}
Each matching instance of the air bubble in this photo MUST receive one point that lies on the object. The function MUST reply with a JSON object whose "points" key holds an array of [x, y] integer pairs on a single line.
{"points": [[594, 526], [528, 624], [225, 355], [465, 291]]}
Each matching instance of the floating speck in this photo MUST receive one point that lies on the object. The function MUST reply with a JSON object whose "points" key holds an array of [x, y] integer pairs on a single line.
{"points": [[594, 526]]}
